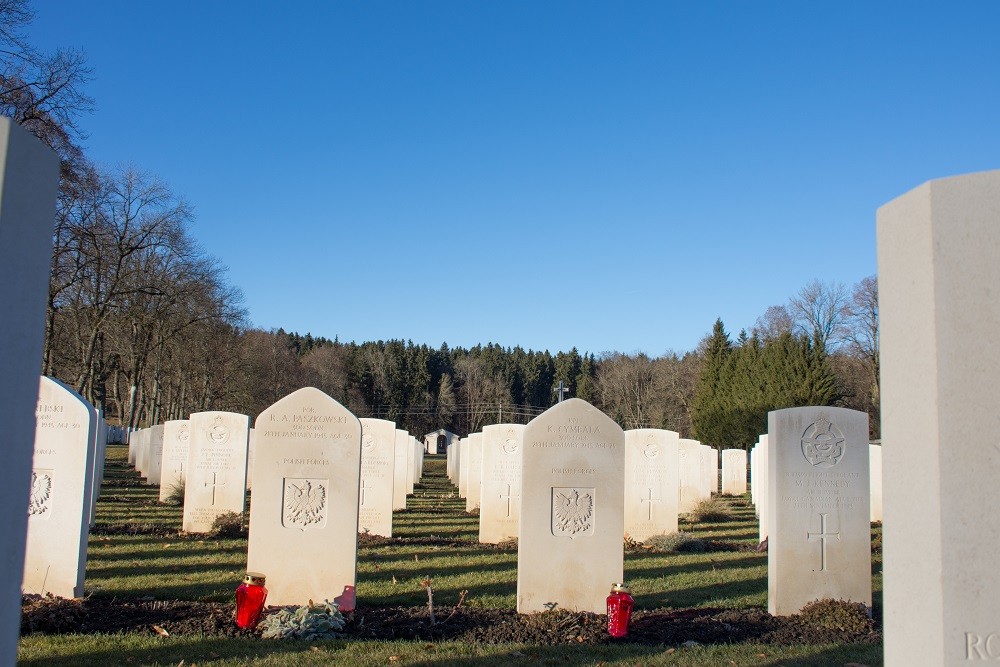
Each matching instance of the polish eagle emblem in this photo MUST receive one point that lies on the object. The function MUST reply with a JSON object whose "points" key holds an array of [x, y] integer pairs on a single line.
{"points": [[305, 503], [572, 511], [41, 492]]}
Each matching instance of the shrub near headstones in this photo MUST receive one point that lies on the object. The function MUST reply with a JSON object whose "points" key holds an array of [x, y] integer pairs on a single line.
{"points": [[304, 517], [819, 535], [570, 546]]}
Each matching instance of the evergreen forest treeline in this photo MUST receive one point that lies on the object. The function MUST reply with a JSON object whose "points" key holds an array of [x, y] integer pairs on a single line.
{"points": [[142, 322]]}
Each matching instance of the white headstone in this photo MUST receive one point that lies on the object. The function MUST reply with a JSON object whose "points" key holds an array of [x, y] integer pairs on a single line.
{"points": [[939, 280], [875, 480], [418, 460], [651, 482], [217, 468], [251, 453], [713, 481], [155, 455], [463, 467], [819, 535], [570, 547], [411, 463], [29, 177], [763, 494], [473, 488], [304, 519], [176, 448], [100, 453], [500, 495], [142, 451], [734, 472], [378, 439], [690, 484], [59, 504], [399, 470]]}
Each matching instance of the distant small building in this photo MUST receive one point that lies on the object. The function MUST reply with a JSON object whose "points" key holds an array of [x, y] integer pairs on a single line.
{"points": [[438, 441]]}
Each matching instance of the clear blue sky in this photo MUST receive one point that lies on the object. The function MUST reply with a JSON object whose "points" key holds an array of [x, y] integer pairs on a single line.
{"points": [[610, 176]]}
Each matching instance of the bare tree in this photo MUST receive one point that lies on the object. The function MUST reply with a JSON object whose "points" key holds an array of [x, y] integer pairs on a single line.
{"points": [[41, 92], [775, 321], [626, 387], [863, 335], [819, 311]]}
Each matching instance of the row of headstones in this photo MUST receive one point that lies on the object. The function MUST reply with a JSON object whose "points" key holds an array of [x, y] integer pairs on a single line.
{"points": [[576, 470], [211, 456], [666, 476], [759, 483], [210, 452], [577, 475]]}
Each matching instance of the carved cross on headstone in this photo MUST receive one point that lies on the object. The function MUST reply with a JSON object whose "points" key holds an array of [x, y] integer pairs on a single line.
{"points": [[508, 498], [364, 488], [215, 485], [650, 499], [821, 536]]}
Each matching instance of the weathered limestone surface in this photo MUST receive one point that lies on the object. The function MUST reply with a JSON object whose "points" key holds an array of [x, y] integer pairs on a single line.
{"points": [[304, 518], [378, 441], [500, 500], [939, 280], [819, 535], [216, 478], [651, 483], [59, 504], [570, 547]]}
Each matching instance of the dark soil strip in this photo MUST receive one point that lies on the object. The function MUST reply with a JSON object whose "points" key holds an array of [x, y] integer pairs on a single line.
{"points": [[834, 622]]}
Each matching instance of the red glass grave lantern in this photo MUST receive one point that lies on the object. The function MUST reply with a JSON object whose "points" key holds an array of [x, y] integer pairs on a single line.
{"points": [[250, 597], [620, 605]]}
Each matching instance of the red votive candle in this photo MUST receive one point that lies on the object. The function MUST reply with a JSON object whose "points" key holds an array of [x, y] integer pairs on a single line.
{"points": [[250, 597], [620, 605]]}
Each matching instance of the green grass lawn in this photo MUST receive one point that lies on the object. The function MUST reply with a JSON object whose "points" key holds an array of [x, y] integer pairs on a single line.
{"points": [[169, 567]]}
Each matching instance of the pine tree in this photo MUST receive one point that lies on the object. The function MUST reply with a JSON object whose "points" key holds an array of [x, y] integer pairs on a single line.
{"points": [[710, 419]]}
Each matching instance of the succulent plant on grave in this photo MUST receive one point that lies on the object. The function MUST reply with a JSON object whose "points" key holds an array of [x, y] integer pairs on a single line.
{"points": [[309, 622]]}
